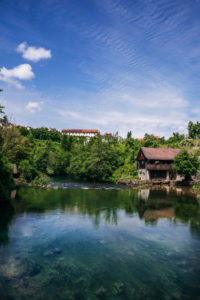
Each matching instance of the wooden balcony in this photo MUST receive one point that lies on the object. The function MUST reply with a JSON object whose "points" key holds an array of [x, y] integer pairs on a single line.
{"points": [[159, 167]]}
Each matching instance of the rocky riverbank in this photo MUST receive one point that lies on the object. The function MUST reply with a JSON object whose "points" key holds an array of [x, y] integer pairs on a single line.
{"points": [[149, 183]]}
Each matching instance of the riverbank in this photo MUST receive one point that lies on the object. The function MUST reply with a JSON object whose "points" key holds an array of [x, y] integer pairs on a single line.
{"points": [[149, 183], [121, 183]]}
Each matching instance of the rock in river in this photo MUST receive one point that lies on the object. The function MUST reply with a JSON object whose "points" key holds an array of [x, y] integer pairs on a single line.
{"points": [[52, 252]]}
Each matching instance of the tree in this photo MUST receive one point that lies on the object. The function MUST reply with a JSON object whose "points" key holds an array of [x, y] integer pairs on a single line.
{"points": [[186, 164], [24, 131], [15, 146], [27, 171], [129, 134], [151, 141], [6, 178], [1, 107], [193, 130], [1, 112], [66, 142]]}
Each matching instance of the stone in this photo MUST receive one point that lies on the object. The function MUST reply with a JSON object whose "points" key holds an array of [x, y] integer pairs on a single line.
{"points": [[52, 252], [101, 291]]}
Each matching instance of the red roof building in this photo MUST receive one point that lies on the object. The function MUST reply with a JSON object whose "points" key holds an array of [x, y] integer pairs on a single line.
{"points": [[80, 132]]}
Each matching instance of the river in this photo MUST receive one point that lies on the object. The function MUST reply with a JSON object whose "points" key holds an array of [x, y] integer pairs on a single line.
{"points": [[100, 242]]}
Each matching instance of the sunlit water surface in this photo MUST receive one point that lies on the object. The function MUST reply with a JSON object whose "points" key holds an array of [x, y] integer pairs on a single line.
{"points": [[94, 243]]}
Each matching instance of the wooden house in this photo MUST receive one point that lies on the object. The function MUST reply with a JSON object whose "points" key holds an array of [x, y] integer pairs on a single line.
{"points": [[156, 163]]}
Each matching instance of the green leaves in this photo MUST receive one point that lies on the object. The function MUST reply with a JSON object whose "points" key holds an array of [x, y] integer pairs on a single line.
{"points": [[6, 178], [1, 109], [186, 164], [194, 130]]}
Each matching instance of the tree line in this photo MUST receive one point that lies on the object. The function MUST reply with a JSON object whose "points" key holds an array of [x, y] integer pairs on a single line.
{"points": [[40, 154]]}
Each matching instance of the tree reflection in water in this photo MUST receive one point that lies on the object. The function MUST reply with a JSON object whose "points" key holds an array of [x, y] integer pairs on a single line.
{"points": [[140, 250], [103, 206], [6, 215]]}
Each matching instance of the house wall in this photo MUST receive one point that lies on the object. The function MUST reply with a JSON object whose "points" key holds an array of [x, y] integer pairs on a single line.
{"points": [[143, 174], [80, 134]]}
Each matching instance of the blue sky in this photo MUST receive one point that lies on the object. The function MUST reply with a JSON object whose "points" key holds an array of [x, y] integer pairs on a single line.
{"points": [[114, 65]]}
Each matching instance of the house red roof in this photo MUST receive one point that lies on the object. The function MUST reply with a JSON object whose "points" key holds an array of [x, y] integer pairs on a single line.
{"points": [[80, 131], [160, 153], [107, 134]]}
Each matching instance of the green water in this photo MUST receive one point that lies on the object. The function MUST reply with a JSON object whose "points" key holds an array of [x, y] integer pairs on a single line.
{"points": [[100, 244]]}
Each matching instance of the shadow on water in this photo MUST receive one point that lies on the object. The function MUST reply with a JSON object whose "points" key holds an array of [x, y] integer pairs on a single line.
{"points": [[106, 243], [6, 215]]}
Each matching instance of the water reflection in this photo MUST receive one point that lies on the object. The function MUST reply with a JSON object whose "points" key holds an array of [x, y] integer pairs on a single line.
{"points": [[104, 206], [6, 216], [100, 244]]}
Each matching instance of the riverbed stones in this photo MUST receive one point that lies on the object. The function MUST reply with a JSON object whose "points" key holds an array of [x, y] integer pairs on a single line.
{"points": [[52, 252]]}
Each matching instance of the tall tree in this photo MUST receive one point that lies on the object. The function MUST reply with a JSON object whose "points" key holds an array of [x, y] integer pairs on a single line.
{"points": [[186, 164]]}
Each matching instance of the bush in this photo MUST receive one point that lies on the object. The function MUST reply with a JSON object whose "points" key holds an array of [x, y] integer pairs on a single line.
{"points": [[27, 171], [127, 171], [41, 179], [186, 164]]}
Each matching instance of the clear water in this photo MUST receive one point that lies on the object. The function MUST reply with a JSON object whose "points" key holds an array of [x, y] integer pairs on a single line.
{"points": [[106, 243]]}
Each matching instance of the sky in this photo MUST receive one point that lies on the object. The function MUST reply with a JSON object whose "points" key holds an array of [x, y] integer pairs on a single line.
{"points": [[112, 65]]}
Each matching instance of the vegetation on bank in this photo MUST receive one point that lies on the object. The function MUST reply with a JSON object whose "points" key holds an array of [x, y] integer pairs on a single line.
{"points": [[186, 164], [196, 188], [40, 153], [6, 178]]}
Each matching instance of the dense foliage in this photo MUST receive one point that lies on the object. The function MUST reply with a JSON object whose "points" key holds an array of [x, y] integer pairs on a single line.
{"points": [[194, 130], [186, 164], [6, 178], [41, 153]]}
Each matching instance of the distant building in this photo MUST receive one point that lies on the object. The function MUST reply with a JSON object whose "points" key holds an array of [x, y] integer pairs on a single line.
{"points": [[142, 139], [14, 125], [80, 132], [107, 134], [156, 163]]}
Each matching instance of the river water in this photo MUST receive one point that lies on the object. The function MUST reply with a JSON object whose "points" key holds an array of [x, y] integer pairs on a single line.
{"points": [[100, 242]]}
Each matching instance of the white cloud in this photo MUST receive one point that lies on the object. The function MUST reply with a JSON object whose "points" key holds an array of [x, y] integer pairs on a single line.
{"points": [[32, 53], [34, 107], [21, 72], [156, 100], [158, 111]]}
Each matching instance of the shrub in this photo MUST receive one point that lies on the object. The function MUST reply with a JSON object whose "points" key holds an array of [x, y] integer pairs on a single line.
{"points": [[186, 164]]}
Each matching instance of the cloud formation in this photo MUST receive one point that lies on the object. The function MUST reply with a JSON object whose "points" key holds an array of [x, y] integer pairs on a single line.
{"points": [[34, 107], [21, 72], [32, 53]]}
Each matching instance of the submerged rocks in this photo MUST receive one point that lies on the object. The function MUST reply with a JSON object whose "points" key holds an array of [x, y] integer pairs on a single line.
{"points": [[100, 292], [52, 252], [33, 269]]}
